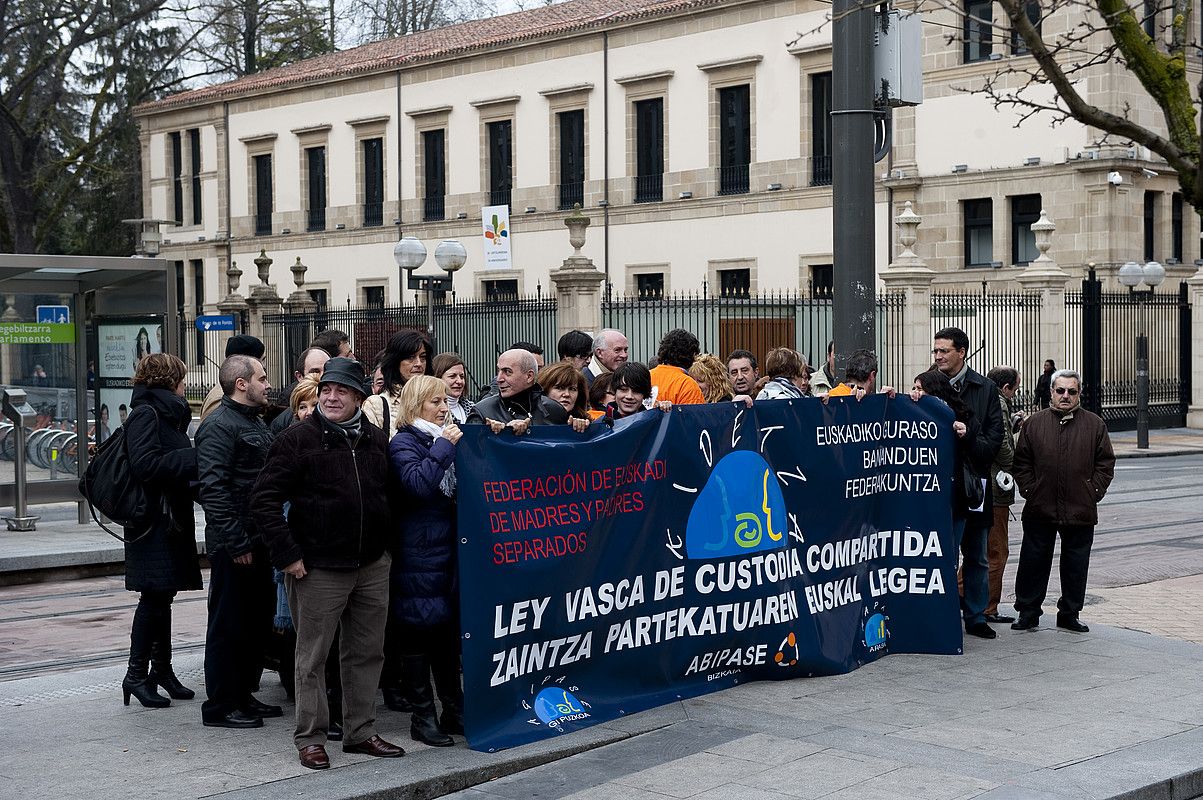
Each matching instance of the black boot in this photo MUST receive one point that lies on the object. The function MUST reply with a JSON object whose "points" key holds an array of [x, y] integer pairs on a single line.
{"points": [[136, 682], [446, 672], [161, 673], [395, 699], [423, 726]]}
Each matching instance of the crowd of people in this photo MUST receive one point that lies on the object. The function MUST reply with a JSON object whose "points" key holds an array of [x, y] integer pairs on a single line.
{"points": [[362, 576]]}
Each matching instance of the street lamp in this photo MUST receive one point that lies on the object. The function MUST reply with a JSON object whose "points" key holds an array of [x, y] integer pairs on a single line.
{"points": [[1133, 275], [450, 255]]}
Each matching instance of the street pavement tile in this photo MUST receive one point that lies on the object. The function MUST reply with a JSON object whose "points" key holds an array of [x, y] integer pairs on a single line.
{"points": [[692, 775], [742, 720], [612, 791], [765, 749], [908, 783], [739, 791], [820, 774]]}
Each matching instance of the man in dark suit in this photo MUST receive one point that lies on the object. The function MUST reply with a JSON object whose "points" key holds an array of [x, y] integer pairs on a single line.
{"points": [[985, 435]]}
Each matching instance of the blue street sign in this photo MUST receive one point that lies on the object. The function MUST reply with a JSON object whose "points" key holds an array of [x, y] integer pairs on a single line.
{"points": [[60, 315], [215, 322]]}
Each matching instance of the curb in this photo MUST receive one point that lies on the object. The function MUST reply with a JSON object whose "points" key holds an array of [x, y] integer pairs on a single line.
{"points": [[1187, 786], [425, 775], [1185, 451]]}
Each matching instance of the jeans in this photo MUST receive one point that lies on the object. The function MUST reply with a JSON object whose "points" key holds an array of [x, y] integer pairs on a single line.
{"points": [[975, 572]]}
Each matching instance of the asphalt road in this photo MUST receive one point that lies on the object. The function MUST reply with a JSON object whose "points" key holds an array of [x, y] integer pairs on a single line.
{"points": [[1150, 529]]}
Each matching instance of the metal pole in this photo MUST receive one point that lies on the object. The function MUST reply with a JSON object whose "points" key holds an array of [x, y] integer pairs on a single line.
{"points": [[854, 299], [82, 406], [430, 318], [1142, 382]]}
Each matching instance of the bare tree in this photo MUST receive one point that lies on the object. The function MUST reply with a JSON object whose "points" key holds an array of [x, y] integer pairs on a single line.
{"points": [[384, 19], [242, 37], [1097, 33], [70, 70]]}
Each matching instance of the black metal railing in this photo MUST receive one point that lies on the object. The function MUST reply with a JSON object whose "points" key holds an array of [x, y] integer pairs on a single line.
{"points": [[733, 179], [315, 219], [263, 223], [477, 331], [649, 188], [757, 322], [373, 215], [820, 171], [1101, 330], [202, 352], [571, 194], [501, 197], [434, 208]]}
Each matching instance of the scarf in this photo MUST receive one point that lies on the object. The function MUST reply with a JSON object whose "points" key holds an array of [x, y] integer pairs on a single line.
{"points": [[447, 484], [791, 388], [351, 428]]}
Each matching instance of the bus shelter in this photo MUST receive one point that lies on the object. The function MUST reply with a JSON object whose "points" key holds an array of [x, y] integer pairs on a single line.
{"points": [[71, 331]]}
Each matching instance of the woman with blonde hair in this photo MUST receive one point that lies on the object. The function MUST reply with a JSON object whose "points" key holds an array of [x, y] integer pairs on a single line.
{"points": [[162, 560], [713, 378], [424, 594]]}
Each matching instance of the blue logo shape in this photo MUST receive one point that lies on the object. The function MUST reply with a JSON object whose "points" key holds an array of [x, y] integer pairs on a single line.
{"points": [[875, 631], [740, 510], [553, 705]]}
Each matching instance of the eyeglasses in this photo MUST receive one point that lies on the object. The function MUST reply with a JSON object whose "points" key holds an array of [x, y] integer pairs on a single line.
{"points": [[941, 351], [1063, 390]]}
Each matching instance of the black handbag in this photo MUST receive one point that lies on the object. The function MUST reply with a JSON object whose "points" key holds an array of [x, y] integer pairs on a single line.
{"points": [[974, 488], [109, 486]]}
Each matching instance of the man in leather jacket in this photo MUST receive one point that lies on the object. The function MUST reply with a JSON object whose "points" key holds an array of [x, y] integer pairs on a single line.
{"points": [[231, 446], [519, 402]]}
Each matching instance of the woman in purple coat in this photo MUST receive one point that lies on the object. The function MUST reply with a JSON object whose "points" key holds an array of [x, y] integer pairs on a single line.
{"points": [[425, 603]]}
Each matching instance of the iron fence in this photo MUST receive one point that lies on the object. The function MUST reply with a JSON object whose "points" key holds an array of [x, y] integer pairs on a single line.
{"points": [[477, 331], [757, 323], [1003, 329], [202, 352], [1103, 326]]}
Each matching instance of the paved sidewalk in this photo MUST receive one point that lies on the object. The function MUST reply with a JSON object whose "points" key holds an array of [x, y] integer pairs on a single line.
{"points": [[1167, 442], [1046, 715]]}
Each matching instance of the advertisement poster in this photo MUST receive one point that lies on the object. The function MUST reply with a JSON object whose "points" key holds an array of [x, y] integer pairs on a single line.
{"points": [[497, 237], [675, 554], [122, 343], [112, 411]]}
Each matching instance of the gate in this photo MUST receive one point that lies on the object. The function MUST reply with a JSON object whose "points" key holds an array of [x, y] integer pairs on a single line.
{"points": [[1103, 328]]}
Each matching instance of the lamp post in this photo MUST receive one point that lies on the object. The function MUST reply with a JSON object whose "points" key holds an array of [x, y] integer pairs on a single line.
{"points": [[450, 255], [1133, 275]]}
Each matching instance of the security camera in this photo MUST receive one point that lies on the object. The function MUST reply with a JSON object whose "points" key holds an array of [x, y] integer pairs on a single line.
{"points": [[1114, 178], [1148, 173]]}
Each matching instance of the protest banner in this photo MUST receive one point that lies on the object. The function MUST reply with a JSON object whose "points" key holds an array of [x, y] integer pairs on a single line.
{"points": [[680, 553]]}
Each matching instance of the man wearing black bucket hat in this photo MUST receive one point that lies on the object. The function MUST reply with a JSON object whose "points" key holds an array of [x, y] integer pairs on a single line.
{"points": [[331, 470]]}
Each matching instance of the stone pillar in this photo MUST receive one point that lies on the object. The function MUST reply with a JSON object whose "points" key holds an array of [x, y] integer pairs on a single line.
{"points": [[8, 352], [909, 275], [1194, 415], [577, 283], [1043, 276], [264, 298]]}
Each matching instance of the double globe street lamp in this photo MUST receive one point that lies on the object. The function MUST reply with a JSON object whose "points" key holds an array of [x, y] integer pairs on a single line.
{"points": [[1135, 275], [450, 255]]}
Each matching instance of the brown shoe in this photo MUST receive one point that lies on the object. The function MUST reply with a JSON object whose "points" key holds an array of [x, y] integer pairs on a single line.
{"points": [[314, 757], [375, 746]]}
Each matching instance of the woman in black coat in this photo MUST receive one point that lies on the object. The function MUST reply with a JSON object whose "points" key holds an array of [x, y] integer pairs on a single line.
{"points": [[163, 560], [425, 594]]}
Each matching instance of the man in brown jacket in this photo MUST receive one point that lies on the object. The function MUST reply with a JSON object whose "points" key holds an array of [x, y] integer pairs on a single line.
{"points": [[1063, 466]]}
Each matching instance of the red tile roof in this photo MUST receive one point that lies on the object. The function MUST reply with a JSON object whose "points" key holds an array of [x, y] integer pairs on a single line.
{"points": [[466, 37]]}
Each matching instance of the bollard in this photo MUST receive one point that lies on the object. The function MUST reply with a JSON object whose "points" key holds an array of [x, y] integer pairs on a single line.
{"points": [[17, 409]]}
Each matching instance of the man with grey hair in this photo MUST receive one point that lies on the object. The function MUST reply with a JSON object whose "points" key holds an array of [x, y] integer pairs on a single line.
{"points": [[231, 447], [1063, 466], [519, 401], [610, 349]]}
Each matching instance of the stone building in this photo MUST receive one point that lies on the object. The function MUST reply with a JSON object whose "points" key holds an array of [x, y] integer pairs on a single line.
{"points": [[693, 132]]}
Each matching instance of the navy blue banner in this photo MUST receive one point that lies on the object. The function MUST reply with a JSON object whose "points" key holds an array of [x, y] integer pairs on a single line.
{"points": [[680, 553]]}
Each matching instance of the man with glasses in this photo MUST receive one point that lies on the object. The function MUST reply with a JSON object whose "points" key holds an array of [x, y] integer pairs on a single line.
{"points": [[1063, 466], [984, 437]]}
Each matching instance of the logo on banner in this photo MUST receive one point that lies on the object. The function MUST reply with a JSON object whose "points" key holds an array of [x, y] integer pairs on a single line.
{"points": [[555, 705], [875, 632], [742, 496], [787, 654]]}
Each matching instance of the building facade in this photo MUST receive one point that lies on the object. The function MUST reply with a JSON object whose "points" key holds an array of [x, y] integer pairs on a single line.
{"points": [[694, 133]]}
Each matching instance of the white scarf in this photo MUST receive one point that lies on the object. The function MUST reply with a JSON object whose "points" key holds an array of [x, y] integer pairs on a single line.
{"points": [[447, 484]]}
